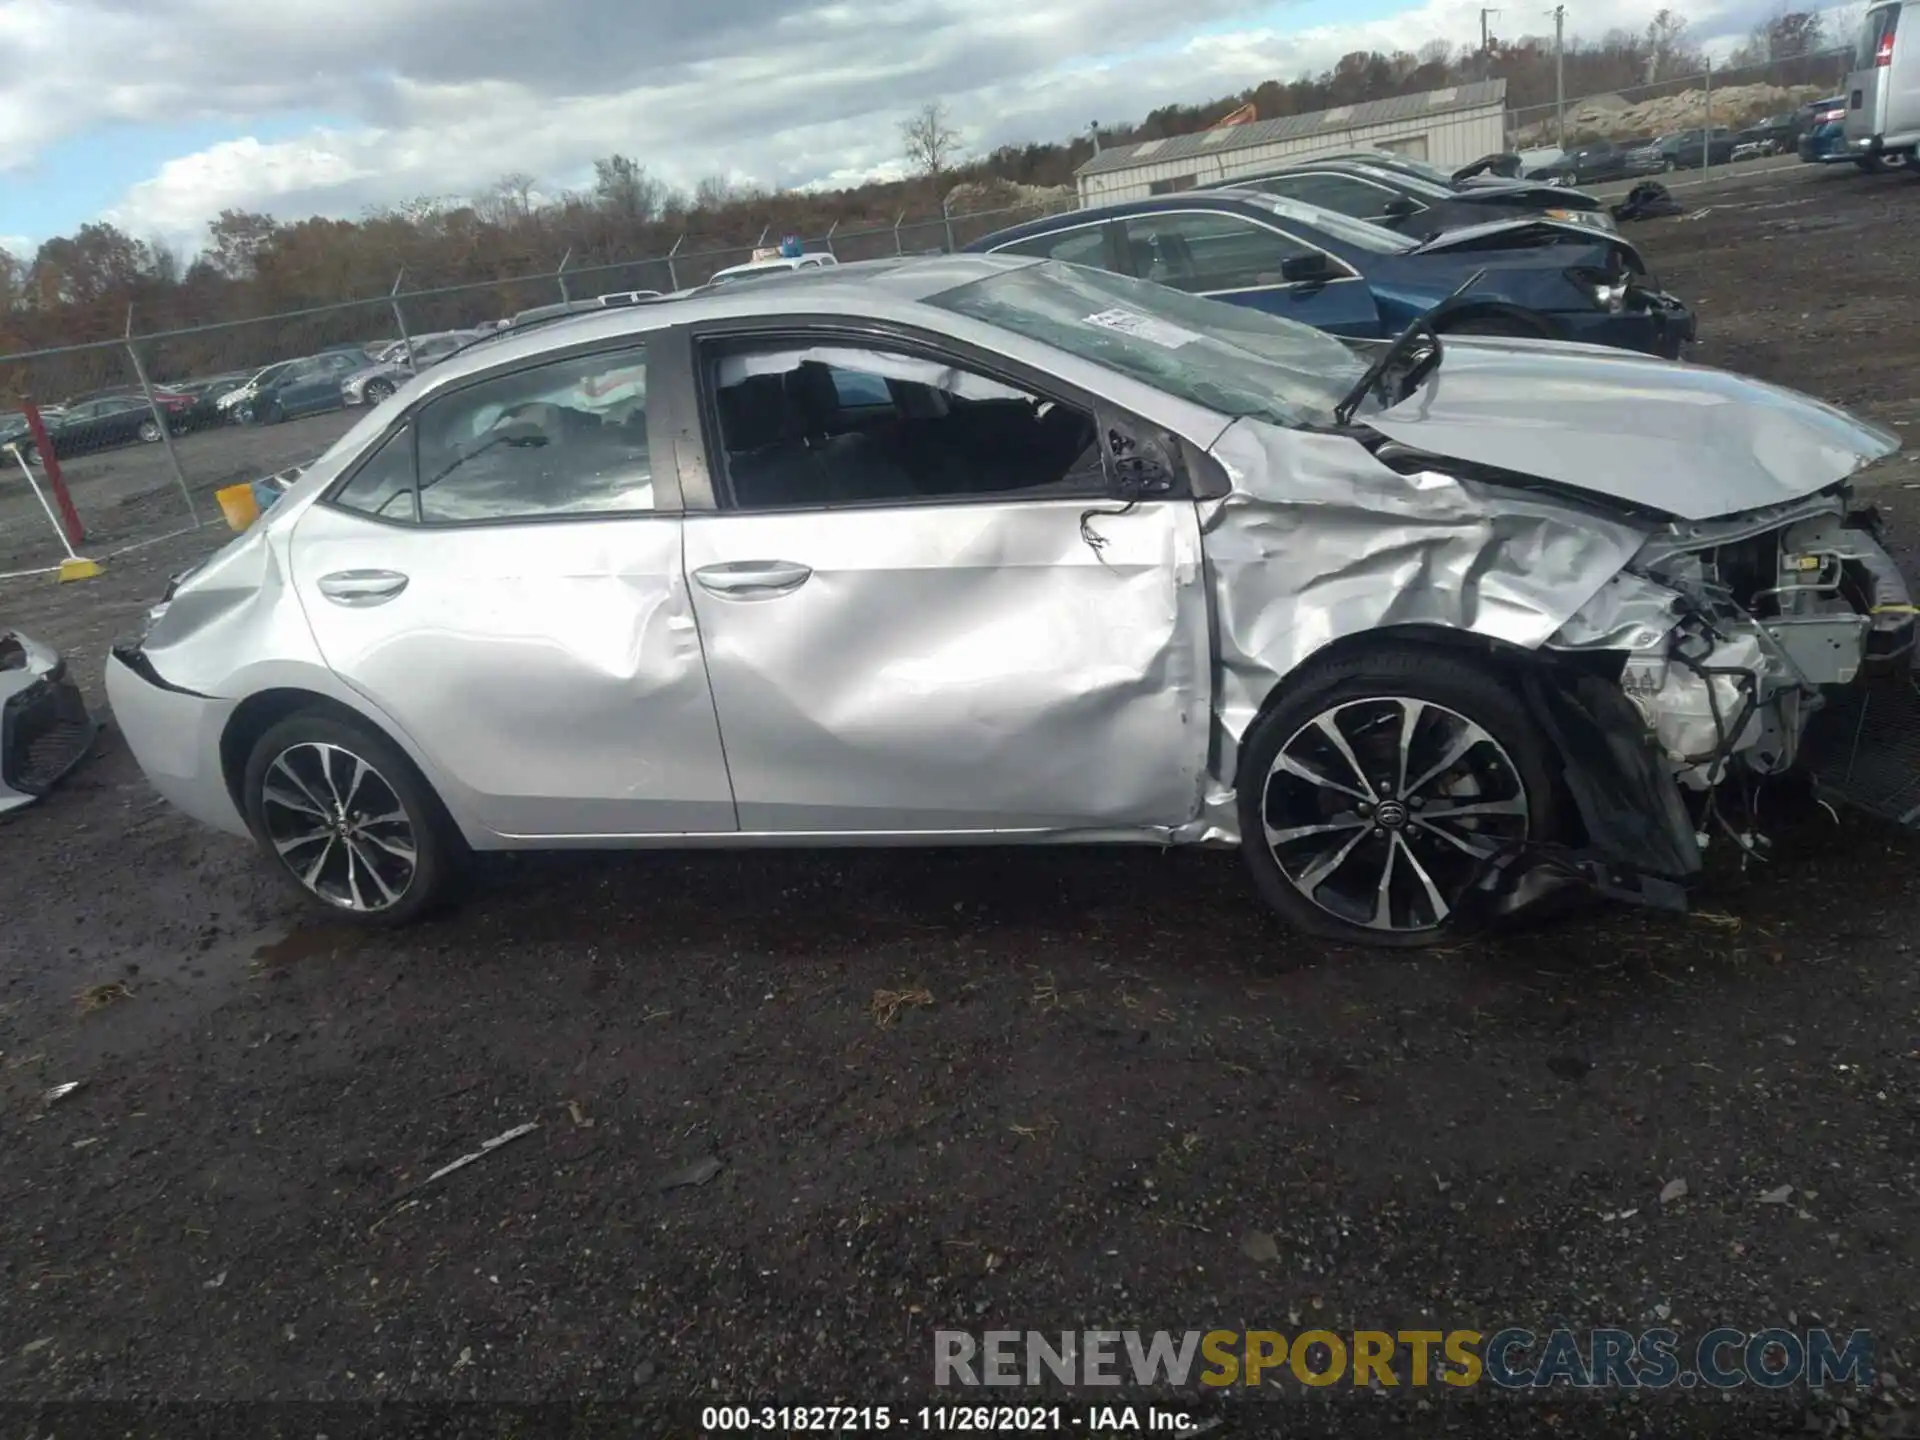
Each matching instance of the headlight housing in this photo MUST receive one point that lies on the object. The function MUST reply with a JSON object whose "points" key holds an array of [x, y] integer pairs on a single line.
{"points": [[1608, 288]]}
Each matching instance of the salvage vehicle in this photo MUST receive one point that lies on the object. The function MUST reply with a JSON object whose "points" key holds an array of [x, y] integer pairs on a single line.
{"points": [[773, 265], [1596, 164], [1824, 141], [45, 729], [372, 383], [1883, 92], [1539, 278], [1431, 632], [1414, 205], [308, 386], [1690, 150], [88, 426]]}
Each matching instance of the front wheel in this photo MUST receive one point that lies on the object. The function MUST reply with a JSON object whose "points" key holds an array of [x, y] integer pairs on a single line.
{"points": [[1372, 796], [149, 432], [345, 816], [377, 390]]}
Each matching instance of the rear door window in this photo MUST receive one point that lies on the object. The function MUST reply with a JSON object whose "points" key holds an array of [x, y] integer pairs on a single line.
{"points": [[1342, 194], [1083, 245], [1876, 37], [1204, 251]]}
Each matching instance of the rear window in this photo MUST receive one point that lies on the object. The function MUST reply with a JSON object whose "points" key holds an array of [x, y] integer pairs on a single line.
{"points": [[1876, 36]]}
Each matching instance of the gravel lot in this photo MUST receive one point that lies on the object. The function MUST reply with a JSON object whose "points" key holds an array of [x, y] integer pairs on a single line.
{"points": [[1117, 1095], [130, 493]]}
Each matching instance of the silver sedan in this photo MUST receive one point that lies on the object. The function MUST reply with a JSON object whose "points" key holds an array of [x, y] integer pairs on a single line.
{"points": [[984, 550]]}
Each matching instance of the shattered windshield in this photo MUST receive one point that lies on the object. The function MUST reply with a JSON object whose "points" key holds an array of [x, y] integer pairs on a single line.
{"points": [[1228, 358]]}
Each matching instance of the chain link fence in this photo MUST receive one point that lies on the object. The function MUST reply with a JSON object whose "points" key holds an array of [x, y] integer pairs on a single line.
{"points": [[114, 442], [144, 426], [1729, 98]]}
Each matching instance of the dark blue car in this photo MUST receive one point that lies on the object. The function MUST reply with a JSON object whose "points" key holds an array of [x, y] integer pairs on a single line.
{"points": [[1543, 278], [1824, 141]]}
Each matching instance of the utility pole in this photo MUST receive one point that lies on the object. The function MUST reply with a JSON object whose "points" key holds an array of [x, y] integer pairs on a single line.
{"points": [[1486, 45], [1560, 73], [1094, 126]]}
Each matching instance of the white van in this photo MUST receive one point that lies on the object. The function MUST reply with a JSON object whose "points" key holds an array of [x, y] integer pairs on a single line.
{"points": [[1883, 92]]}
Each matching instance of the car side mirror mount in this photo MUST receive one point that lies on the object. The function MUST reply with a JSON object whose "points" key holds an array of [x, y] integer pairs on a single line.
{"points": [[1398, 207], [1306, 269]]}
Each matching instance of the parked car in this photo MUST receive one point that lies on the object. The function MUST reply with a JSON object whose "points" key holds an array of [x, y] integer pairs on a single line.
{"points": [[1883, 92], [206, 393], [1540, 278], [100, 424], [240, 399], [307, 386], [1775, 135], [1824, 141], [1112, 563], [374, 382], [1596, 163], [45, 728], [1688, 150], [774, 266], [1415, 205]]}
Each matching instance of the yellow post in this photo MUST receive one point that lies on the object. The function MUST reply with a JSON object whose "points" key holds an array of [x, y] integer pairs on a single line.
{"points": [[238, 505]]}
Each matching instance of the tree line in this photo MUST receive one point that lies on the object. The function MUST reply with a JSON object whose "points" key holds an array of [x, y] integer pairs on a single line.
{"points": [[77, 289]]}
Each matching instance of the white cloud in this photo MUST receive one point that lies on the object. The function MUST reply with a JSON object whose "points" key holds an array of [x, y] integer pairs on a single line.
{"points": [[782, 92]]}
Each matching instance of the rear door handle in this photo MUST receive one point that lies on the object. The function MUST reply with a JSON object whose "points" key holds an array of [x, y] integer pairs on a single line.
{"points": [[362, 587], [752, 579]]}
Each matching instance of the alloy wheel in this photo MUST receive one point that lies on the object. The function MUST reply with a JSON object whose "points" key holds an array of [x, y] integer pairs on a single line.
{"points": [[149, 431], [377, 390], [1383, 811], [339, 826]]}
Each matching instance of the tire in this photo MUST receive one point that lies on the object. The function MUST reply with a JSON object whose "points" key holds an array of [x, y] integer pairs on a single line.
{"points": [[376, 391], [149, 432], [1328, 886], [1493, 325], [246, 415], [360, 874]]}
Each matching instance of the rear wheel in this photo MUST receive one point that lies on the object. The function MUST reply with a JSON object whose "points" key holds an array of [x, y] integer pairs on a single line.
{"points": [[346, 817], [1372, 796]]}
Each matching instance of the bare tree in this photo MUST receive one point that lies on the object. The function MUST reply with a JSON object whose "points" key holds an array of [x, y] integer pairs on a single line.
{"points": [[507, 201], [715, 192], [931, 144], [166, 267], [1669, 54], [624, 188]]}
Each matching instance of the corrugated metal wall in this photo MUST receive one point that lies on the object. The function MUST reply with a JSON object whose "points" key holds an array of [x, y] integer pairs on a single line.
{"points": [[1451, 140]]}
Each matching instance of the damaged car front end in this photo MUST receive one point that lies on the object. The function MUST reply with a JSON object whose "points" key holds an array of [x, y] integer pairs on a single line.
{"points": [[1670, 570], [45, 728]]}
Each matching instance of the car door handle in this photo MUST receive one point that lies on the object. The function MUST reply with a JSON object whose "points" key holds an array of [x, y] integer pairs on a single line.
{"points": [[362, 587], [753, 579]]}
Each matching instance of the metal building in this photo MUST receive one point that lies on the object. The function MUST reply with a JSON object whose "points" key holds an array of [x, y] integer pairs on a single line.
{"points": [[1448, 128]]}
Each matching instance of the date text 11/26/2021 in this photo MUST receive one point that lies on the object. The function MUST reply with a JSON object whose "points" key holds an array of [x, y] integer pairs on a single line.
{"points": [[952, 1419]]}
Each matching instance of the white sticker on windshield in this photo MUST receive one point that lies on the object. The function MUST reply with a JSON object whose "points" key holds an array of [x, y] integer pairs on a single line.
{"points": [[1143, 327]]}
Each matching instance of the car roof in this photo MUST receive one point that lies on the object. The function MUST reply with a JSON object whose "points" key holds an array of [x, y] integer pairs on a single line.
{"points": [[889, 289], [1256, 204]]}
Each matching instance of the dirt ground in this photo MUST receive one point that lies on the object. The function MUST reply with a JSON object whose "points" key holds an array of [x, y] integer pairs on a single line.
{"points": [[130, 493], [1103, 1090]]}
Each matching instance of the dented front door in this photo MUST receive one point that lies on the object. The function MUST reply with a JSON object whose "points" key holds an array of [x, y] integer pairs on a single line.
{"points": [[956, 668]]}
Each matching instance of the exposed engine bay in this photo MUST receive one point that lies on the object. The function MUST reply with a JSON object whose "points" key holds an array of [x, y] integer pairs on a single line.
{"points": [[1735, 633]]}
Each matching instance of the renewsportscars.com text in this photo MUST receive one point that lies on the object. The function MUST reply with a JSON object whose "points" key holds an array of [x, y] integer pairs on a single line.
{"points": [[1510, 1359]]}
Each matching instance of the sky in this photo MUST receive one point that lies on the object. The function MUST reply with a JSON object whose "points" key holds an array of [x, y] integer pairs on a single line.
{"points": [[158, 114]]}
